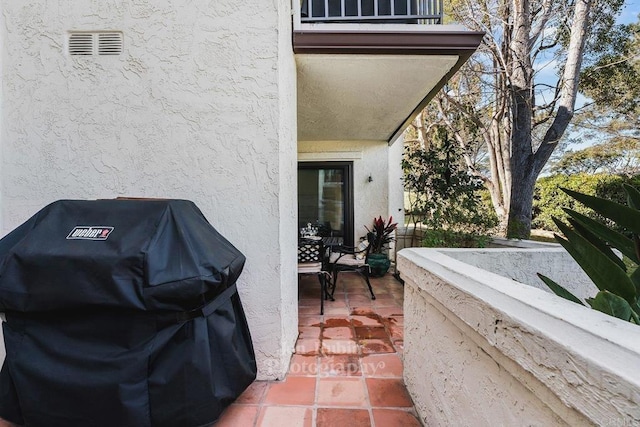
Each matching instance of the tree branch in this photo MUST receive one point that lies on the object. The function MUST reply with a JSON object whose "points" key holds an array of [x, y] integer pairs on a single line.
{"points": [[569, 84]]}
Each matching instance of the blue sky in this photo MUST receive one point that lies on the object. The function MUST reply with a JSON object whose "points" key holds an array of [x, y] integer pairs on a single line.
{"points": [[630, 11]]}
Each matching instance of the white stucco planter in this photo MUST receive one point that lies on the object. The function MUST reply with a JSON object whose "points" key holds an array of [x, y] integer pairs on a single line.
{"points": [[501, 242], [483, 349]]}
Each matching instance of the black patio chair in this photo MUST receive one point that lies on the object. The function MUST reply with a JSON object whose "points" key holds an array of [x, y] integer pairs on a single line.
{"points": [[351, 259], [312, 260]]}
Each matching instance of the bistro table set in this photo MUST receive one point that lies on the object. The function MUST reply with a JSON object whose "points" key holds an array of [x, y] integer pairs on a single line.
{"points": [[326, 257]]}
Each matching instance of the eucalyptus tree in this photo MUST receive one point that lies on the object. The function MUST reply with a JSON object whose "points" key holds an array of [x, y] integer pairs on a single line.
{"points": [[611, 81], [516, 97]]}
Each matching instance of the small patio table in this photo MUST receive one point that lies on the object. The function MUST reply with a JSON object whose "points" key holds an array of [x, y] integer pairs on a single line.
{"points": [[332, 242]]}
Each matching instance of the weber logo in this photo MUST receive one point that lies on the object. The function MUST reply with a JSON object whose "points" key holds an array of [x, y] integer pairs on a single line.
{"points": [[83, 232]]}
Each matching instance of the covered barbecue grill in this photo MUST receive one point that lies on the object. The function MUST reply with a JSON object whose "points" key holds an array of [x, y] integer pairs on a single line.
{"points": [[121, 313]]}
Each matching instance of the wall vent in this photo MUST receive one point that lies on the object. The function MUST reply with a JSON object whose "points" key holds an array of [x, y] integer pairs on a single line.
{"points": [[97, 43], [80, 44], [109, 43]]}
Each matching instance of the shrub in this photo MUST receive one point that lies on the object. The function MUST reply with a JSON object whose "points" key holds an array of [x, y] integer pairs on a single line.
{"points": [[441, 192], [589, 242], [441, 238], [549, 200]]}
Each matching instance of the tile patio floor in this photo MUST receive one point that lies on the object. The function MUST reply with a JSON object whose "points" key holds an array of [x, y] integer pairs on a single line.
{"points": [[347, 370]]}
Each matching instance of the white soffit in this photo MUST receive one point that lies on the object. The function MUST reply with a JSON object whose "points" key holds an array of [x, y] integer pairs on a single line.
{"points": [[363, 97], [329, 155]]}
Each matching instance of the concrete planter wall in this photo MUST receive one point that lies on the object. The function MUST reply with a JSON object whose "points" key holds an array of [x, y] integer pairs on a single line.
{"points": [[483, 349], [500, 242]]}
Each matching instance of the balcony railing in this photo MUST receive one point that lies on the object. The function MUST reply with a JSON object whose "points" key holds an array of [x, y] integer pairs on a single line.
{"points": [[382, 11]]}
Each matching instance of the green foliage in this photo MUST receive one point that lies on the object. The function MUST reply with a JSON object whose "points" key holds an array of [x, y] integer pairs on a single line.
{"points": [[559, 290], [440, 238], [590, 243], [442, 193], [510, 145], [620, 156], [611, 79], [549, 201], [605, 33], [615, 306]]}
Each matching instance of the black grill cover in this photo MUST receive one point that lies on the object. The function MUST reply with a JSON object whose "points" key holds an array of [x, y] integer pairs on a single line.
{"points": [[121, 313]]}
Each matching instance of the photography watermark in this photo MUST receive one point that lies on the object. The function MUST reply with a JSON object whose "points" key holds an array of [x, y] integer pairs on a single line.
{"points": [[619, 422], [329, 367], [328, 347]]}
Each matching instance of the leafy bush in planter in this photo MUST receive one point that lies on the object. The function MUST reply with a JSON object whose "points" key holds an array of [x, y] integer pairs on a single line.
{"points": [[380, 234], [589, 242]]}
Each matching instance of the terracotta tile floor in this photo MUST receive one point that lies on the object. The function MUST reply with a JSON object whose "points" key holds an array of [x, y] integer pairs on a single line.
{"points": [[347, 370]]}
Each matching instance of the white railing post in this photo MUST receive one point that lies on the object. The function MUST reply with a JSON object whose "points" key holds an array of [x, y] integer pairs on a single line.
{"points": [[295, 14]]}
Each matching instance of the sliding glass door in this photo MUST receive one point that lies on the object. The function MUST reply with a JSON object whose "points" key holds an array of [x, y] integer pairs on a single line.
{"points": [[325, 198]]}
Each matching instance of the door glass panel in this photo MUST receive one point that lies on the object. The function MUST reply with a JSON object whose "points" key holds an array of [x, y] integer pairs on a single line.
{"points": [[322, 199]]}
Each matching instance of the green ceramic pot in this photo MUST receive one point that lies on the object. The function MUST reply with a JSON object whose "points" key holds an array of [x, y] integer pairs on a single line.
{"points": [[379, 264]]}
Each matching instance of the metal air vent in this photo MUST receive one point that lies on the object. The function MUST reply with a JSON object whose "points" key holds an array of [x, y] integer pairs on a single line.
{"points": [[97, 43], [109, 43], [80, 44]]}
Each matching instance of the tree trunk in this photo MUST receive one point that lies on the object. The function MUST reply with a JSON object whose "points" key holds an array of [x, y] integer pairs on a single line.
{"points": [[507, 117], [521, 198], [526, 164], [519, 224], [569, 84]]}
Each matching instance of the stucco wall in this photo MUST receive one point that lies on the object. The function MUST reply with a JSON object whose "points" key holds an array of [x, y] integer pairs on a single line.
{"points": [[370, 158], [288, 191], [396, 180], [480, 349], [522, 265], [200, 106]]}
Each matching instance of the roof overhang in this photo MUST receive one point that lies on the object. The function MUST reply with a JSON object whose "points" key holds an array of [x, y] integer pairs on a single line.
{"points": [[368, 82]]}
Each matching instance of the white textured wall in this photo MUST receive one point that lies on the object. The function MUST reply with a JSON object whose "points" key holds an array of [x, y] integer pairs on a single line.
{"points": [[288, 173], [463, 385], [396, 190], [483, 350], [200, 106], [371, 199], [396, 180], [522, 265]]}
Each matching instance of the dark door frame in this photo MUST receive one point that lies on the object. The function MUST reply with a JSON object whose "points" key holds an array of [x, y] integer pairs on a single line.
{"points": [[347, 188]]}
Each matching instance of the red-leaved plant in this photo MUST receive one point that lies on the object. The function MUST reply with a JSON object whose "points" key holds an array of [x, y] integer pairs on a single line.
{"points": [[381, 234]]}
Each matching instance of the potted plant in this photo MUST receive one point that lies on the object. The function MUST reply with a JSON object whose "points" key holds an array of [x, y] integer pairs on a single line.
{"points": [[379, 237]]}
